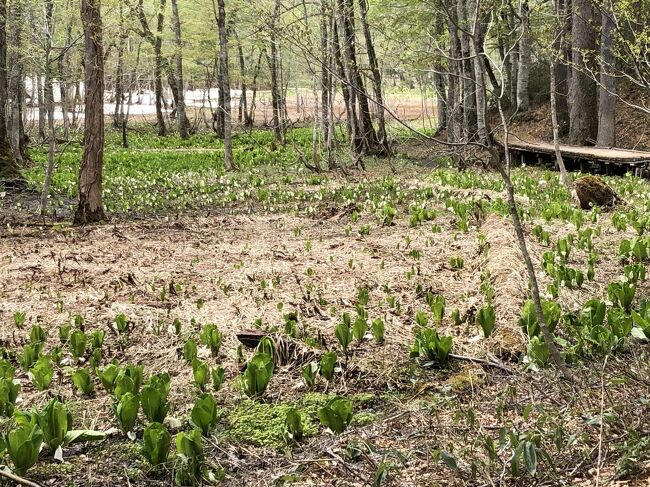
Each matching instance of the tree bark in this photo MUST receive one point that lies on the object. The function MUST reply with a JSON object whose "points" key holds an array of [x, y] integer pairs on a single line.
{"points": [[561, 72], [8, 164], [49, 104], [181, 116], [383, 145], [583, 108], [607, 88], [156, 42], [225, 85], [91, 208], [523, 70]]}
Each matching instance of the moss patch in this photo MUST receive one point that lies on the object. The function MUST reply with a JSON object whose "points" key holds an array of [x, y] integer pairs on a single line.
{"points": [[262, 424], [468, 378]]}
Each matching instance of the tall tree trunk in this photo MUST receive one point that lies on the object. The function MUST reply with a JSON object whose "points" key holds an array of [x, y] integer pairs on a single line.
{"points": [[118, 113], [326, 82], [583, 108], [41, 107], [276, 87], [479, 70], [523, 70], [181, 117], [91, 208], [369, 137], [17, 84], [225, 84], [243, 101], [383, 146], [158, 70], [49, 104], [607, 88], [561, 72], [439, 82], [454, 109], [346, 86], [468, 81], [8, 163], [514, 62], [156, 42]]}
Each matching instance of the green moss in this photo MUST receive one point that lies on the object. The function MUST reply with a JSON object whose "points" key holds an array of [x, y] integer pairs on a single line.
{"points": [[466, 379], [263, 424], [52, 469], [363, 418]]}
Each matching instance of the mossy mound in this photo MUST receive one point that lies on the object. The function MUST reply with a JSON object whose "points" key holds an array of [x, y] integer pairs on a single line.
{"points": [[263, 424], [594, 191]]}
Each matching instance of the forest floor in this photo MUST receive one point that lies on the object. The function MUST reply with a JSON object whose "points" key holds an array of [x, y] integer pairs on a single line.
{"points": [[245, 250]]}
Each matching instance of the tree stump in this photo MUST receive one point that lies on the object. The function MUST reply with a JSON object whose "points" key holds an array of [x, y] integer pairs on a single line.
{"points": [[594, 191]]}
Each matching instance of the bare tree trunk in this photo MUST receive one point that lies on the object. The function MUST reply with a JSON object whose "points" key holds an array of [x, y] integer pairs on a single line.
{"points": [[243, 101], [41, 107], [583, 108], [523, 71], [560, 45], [91, 208], [156, 42], [556, 135], [49, 103], [468, 81], [225, 84], [514, 63], [383, 147], [346, 86], [479, 71], [454, 109], [16, 84], [181, 117], [276, 96], [607, 88], [326, 82], [8, 163]]}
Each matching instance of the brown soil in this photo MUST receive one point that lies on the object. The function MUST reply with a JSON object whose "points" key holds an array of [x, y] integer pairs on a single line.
{"points": [[220, 262]]}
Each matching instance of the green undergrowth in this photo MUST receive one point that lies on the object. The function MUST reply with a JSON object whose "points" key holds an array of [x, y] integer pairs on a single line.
{"points": [[263, 424]]}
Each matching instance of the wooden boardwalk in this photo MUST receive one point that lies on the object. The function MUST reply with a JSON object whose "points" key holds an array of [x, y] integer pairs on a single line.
{"points": [[607, 160]]}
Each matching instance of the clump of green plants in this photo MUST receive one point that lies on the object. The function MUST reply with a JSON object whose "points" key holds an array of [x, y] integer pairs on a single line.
{"points": [[257, 375], [336, 414], [212, 338], [430, 348], [153, 397]]}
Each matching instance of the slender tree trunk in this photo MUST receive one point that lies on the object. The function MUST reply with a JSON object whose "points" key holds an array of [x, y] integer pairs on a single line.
{"points": [[276, 87], [225, 84], [346, 88], [326, 82], [383, 145], [479, 71], [556, 134], [16, 84], [468, 81], [583, 108], [158, 70], [8, 163], [454, 109], [607, 88], [49, 104], [41, 107], [523, 71], [181, 116], [243, 101], [91, 208], [514, 62], [560, 46], [439, 82]]}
